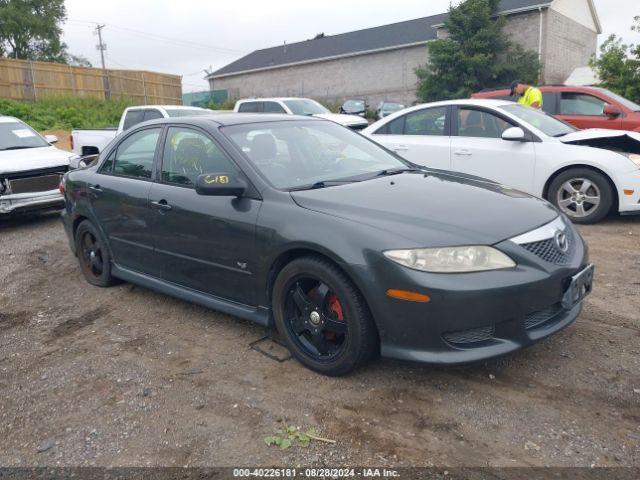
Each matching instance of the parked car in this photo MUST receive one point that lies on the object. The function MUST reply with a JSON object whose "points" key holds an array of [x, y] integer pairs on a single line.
{"points": [[30, 168], [348, 249], [298, 106], [355, 107], [91, 142], [387, 108], [583, 173], [583, 107]]}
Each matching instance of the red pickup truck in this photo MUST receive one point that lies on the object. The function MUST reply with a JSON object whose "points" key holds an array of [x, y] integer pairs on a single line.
{"points": [[583, 107]]}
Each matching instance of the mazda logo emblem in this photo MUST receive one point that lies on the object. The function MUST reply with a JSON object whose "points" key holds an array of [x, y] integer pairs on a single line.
{"points": [[562, 242]]}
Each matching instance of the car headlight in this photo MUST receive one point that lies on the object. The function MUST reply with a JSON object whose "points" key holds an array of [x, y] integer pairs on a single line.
{"points": [[451, 259], [635, 158]]}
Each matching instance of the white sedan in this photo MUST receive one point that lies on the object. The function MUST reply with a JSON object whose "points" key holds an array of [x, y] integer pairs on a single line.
{"points": [[586, 173], [30, 168]]}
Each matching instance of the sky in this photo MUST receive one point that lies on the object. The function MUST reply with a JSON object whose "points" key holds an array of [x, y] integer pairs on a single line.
{"points": [[187, 37]]}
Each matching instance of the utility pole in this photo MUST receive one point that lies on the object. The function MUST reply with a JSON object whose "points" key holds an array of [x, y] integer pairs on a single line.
{"points": [[102, 47]]}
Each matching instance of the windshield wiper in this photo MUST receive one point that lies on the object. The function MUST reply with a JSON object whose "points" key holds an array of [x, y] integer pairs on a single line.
{"points": [[322, 184], [17, 147], [396, 171]]}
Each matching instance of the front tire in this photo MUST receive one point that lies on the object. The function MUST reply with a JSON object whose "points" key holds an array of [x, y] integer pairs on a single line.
{"points": [[93, 255], [322, 317], [584, 195]]}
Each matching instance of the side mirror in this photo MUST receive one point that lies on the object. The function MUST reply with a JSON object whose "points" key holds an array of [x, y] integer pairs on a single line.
{"points": [[612, 111], [514, 134], [51, 138], [220, 185]]}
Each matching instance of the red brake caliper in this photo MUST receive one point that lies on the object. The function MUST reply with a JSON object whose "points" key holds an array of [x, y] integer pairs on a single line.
{"points": [[335, 306]]}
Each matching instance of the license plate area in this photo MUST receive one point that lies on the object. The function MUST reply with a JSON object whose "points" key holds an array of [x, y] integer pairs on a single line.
{"points": [[580, 287]]}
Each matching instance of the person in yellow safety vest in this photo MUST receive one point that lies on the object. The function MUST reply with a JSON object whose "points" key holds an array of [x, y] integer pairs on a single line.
{"points": [[529, 96]]}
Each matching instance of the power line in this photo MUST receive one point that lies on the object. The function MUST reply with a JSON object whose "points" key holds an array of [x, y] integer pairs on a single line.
{"points": [[153, 36]]}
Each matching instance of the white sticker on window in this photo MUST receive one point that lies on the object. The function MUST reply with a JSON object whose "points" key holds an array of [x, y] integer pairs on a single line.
{"points": [[23, 133]]}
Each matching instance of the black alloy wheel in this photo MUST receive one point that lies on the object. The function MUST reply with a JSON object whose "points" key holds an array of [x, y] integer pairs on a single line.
{"points": [[93, 256], [322, 317]]}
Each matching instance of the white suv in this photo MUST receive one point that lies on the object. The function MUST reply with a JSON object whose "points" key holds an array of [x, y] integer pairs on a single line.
{"points": [[298, 106]]}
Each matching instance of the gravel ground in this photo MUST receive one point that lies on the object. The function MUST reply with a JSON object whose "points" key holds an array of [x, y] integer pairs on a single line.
{"points": [[127, 377]]}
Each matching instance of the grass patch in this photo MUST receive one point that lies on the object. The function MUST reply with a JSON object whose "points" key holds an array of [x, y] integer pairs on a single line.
{"points": [[66, 113]]}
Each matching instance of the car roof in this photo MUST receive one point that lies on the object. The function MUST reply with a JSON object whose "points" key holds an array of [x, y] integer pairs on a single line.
{"points": [[273, 99], [228, 119], [171, 107], [477, 102]]}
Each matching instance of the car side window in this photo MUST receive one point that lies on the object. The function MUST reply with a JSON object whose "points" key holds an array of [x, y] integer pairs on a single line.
{"points": [[272, 107], [430, 122], [134, 155], [152, 114], [249, 107], [581, 104], [480, 124], [132, 118], [188, 154], [107, 165]]}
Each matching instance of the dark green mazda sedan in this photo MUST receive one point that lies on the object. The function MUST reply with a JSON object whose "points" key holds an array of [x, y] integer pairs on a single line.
{"points": [[349, 250]]}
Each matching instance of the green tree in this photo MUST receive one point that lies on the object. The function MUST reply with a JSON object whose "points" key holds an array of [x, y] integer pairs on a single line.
{"points": [[618, 67], [30, 29], [476, 54]]}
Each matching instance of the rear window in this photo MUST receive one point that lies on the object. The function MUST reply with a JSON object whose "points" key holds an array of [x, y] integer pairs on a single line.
{"points": [[133, 117], [249, 107]]}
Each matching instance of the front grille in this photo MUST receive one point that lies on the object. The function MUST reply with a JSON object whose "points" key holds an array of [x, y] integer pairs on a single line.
{"points": [[542, 316], [42, 183], [473, 335], [548, 251]]}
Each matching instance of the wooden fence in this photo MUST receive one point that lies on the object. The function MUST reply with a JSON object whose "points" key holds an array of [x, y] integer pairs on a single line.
{"points": [[29, 80]]}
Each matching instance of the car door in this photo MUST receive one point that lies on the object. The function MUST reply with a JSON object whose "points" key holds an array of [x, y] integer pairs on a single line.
{"points": [[421, 136], [586, 111], [119, 197], [477, 148], [204, 243]]}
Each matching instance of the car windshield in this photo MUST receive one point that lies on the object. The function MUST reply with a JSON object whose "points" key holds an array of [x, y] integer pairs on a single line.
{"points": [[308, 154], [18, 135], [305, 106], [353, 105], [187, 112], [392, 107], [544, 122], [620, 99]]}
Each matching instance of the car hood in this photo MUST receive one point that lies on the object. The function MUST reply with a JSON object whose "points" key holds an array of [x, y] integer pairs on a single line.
{"points": [[343, 119], [13, 161], [433, 208], [596, 134]]}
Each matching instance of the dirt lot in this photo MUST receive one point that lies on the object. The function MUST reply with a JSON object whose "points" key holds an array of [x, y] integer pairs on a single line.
{"points": [[125, 376]]}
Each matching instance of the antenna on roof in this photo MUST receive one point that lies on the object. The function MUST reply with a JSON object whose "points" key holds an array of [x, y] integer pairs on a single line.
{"points": [[285, 46]]}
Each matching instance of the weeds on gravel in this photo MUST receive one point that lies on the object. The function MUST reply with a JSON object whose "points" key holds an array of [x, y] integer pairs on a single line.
{"points": [[289, 436]]}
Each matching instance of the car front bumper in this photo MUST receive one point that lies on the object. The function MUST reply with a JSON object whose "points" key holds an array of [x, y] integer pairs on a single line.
{"points": [[29, 202], [475, 316], [629, 203]]}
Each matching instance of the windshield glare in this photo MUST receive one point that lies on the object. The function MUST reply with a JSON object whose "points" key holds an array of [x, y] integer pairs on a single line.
{"points": [[624, 101], [297, 154], [544, 122], [305, 107], [18, 135], [392, 107], [187, 112]]}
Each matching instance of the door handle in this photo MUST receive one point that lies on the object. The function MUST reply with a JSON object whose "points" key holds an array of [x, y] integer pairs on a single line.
{"points": [[95, 188], [161, 205], [400, 148], [463, 153]]}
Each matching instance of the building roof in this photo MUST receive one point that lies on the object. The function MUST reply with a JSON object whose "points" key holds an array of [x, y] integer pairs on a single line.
{"points": [[385, 37]]}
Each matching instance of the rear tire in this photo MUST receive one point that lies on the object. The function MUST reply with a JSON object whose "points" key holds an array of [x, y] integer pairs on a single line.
{"points": [[93, 255], [322, 317], [582, 194]]}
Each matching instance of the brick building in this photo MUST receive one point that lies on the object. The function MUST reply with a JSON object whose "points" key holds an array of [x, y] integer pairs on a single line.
{"points": [[379, 63]]}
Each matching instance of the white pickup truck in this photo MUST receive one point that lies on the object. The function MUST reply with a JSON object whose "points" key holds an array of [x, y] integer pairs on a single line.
{"points": [[91, 142]]}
